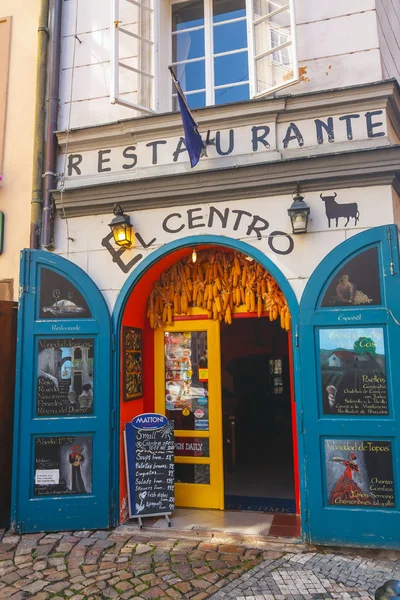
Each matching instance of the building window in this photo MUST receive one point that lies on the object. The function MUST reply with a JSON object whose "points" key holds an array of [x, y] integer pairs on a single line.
{"points": [[222, 51], [210, 51], [275, 371], [78, 353]]}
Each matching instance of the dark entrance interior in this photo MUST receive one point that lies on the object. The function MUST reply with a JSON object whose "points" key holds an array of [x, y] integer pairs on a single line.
{"points": [[257, 421]]}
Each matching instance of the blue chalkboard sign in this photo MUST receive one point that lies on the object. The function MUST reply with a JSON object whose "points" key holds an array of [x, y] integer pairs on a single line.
{"points": [[149, 449]]}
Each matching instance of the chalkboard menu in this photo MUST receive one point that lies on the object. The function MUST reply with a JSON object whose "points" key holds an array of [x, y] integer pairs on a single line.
{"points": [[149, 446], [359, 473], [65, 377], [353, 371]]}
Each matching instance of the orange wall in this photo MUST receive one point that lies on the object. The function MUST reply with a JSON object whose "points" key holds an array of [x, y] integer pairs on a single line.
{"points": [[135, 316]]}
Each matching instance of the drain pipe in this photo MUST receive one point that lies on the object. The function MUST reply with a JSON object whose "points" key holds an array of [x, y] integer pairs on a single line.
{"points": [[52, 116], [38, 136]]}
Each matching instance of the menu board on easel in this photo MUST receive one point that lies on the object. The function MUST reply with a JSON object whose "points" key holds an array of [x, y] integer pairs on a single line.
{"points": [[149, 451], [133, 363]]}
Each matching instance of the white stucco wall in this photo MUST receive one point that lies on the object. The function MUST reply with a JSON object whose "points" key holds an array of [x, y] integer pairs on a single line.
{"points": [[337, 46], [85, 248]]}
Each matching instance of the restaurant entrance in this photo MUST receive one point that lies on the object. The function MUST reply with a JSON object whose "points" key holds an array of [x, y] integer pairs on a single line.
{"points": [[227, 390], [183, 310], [222, 376], [257, 417]]}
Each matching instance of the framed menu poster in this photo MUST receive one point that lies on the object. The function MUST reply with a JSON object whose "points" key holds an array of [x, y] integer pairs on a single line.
{"points": [[133, 363], [359, 473], [353, 371]]}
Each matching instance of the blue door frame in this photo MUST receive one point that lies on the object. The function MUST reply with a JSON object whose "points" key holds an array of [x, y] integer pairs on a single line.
{"points": [[79, 466], [321, 523], [340, 524], [190, 242]]}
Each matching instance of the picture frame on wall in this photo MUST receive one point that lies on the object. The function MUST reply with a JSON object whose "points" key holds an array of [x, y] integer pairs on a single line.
{"points": [[133, 363]]}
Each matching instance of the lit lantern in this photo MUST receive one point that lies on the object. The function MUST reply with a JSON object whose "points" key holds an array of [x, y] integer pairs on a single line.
{"points": [[299, 213], [121, 228]]}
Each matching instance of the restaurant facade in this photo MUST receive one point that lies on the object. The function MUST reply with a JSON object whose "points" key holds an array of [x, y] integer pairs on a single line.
{"points": [[268, 337]]}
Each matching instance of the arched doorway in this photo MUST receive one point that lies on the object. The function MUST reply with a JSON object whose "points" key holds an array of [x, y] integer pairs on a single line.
{"points": [[349, 333], [130, 312]]}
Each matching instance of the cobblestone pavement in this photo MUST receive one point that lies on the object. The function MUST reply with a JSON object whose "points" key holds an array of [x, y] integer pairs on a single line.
{"points": [[312, 575], [128, 563]]}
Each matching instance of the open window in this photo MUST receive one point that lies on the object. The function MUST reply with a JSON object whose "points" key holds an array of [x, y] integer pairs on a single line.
{"points": [[133, 80], [222, 51], [273, 34]]}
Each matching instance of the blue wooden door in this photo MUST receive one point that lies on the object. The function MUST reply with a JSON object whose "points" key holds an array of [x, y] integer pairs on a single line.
{"points": [[61, 466], [350, 356]]}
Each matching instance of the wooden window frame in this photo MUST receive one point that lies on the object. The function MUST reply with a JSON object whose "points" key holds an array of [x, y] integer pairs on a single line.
{"points": [[159, 43]]}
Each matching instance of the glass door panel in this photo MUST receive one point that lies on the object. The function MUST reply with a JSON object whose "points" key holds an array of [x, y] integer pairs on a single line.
{"points": [[188, 392]]}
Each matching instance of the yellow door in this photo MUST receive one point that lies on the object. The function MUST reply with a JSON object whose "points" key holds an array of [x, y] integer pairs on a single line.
{"points": [[188, 392]]}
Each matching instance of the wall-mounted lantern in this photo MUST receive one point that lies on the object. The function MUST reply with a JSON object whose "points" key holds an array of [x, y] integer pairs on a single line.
{"points": [[121, 228], [299, 213]]}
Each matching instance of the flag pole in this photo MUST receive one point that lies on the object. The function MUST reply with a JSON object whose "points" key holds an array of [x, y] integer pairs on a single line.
{"points": [[190, 126], [180, 92]]}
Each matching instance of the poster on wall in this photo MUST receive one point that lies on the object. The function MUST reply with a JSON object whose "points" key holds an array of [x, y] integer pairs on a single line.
{"points": [[133, 363], [65, 377], [353, 371], [359, 472], [59, 298], [62, 465], [357, 283], [149, 448], [186, 379]]}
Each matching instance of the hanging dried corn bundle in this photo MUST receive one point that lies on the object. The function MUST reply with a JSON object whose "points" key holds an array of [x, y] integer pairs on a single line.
{"points": [[219, 283]]}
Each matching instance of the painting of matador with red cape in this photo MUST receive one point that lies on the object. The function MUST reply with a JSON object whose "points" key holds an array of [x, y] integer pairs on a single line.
{"points": [[359, 473]]}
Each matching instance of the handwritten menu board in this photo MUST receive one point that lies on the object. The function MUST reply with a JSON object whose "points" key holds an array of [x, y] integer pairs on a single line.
{"points": [[186, 379], [63, 465], [359, 473], [133, 363], [65, 377], [353, 371], [149, 445]]}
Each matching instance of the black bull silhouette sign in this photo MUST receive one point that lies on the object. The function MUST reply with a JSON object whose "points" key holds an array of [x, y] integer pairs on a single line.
{"points": [[336, 211]]}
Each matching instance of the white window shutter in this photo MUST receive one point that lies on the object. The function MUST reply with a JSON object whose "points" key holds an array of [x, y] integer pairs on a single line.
{"points": [[273, 41], [133, 79]]}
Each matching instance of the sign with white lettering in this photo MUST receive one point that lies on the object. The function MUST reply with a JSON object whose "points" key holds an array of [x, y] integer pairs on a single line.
{"points": [[149, 447], [353, 371], [192, 446]]}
